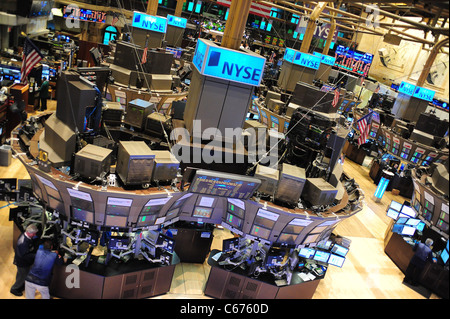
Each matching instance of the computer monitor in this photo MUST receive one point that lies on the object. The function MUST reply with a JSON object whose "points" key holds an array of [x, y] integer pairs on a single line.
{"points": [[166, 243], [307, 253], [228, 245], [324, 244], [311, 238], [408, 231], [260, 232], [202, 212], [340, 250], [402, 220], [336, 260], [321, 256], [420, 226], [392, 213], [118, 242], [407, 210], [444, 256], [395, 205], [412, 222], [397, 228]]}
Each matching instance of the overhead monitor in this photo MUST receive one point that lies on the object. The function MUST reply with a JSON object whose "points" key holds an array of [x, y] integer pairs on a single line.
{"points": [[321, 256], [311, 238], [392, 213], [412, 222], [336, 260], [307, 253], [424, 94], [265, 218], [408, 231], [395, 205], [223, 184], [402, 220], [118, 206], [202, 212], [340, 250], [260, 232], [150, 211], [407, 210], [353, 61], [149, 22]]}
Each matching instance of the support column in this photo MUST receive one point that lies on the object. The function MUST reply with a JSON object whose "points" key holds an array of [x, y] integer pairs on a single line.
{"points": [[429, 63], [152, 7], [332, 29], [235, 26], [179, 8], [311, 27]]}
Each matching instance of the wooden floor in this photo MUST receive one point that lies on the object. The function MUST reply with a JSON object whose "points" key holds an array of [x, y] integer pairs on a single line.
{"points": [[368, 273]]}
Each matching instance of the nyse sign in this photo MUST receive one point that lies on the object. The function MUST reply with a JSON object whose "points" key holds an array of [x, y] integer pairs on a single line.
{"points": [[228, 64], [302, 59], [148, 22], [176, 21], [406, 88], [424, 94]]}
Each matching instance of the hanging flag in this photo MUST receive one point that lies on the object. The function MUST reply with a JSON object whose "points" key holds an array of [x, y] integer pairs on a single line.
{"points": [[259, 9], [337, 93], [144, 54], [30, 57], [364, 127]]}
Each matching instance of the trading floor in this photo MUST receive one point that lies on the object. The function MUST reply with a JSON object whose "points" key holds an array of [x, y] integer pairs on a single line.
{"points": [[367, 274]]}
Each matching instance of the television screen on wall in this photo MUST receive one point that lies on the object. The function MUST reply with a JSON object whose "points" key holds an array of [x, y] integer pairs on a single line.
{"points": [[353, 61]]}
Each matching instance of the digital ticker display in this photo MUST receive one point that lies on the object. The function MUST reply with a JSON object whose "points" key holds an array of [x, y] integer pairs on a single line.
{"points": [[353, 61], [226, 185]]}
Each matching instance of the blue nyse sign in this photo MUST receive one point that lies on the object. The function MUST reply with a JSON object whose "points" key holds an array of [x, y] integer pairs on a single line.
{"points": [[228, 64], [148, 22], [406, 88], [289, 55], [176, 21], [302, 59], [325, 59], [424, 94]]}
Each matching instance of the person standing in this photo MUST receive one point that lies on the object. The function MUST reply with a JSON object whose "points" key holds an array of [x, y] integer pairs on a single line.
{"points": [[24, 258], [40, 274], [43, 94], [422, 254]]}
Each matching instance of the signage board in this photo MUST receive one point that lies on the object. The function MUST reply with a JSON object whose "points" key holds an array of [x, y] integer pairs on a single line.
{"points": [[148, 22], [176, 21], [424, 94], [406, 88]]}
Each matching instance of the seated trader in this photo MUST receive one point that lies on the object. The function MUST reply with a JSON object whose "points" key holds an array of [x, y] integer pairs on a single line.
{"points": [[24, 257], [423, 253], [40, 274]]}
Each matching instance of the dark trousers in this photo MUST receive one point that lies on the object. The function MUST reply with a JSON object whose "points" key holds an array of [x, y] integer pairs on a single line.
{"points": [[412, 273], [22, 273], [43, 103]]}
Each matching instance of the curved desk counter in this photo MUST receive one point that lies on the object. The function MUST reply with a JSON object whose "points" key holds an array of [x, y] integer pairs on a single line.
{"points": [[235, 284]]}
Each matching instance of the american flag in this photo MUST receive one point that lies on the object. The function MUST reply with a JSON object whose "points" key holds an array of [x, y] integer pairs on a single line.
{"points": [[364, 127], [31, 56], [144, 54], [337, 93]]}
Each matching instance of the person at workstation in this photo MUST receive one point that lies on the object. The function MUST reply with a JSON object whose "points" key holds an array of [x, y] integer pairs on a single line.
{"points": [[422, 254], [43, 94], [24, 258], [40, 274]]}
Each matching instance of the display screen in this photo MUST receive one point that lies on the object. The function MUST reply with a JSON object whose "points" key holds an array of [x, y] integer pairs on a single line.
{"points": [[230, 244], [234, 221], [83, 215], [321, 256], [236, 207], [392, 213], [407, 210], [260, 232], [353, 61], [118, 206], [412, 222], [424, 94], [221, 184], [118, 243], [306, 252], [311, 239], [444, 256], [265, 218], [336, 260], [408, 230], [406, 88], [287, 238], [420, 226], [166, 243], [148, 22], [340, 250], [202, 212]]}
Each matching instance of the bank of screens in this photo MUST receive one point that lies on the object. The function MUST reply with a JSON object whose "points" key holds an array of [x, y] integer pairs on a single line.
{"points": [[82, 206], [235, 213], [263, 223], [339, 250], [428, 210], [408, 211], [150, 211]]}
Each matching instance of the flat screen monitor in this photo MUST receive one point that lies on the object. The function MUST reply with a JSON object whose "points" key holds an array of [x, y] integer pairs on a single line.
{"points": [[260, 232], [392, 213], [166, 243], [324, 244], [307, 253], [229, 245], [312, 238], [118, 243], [412, 222], [444, 256], [172, 214], [395, 205], [234, 221], [340, 250], [397, 228], [420, 226], [408, 231], [202, 212], [321, 256], [402, 220], [82, 215], [236, 207], [336, 260], [265, 218], [407, 210], [118, 206], [353, 61], [287, 238], [223, 184]]}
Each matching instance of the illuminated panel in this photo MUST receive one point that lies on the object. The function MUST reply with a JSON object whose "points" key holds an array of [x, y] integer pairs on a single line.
{"points": [[150, 211], [406, 88], [406, 150], [148, 22]]}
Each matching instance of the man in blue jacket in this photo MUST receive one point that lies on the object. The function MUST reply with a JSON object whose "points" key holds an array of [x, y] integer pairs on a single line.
{"points": [[40, 274], [24, 257], [422, 254]]}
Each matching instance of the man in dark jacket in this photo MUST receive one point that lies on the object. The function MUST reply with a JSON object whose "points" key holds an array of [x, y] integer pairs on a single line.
{"points": [[40, 273], [24, 258], [43, 94], [422, 255]]}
